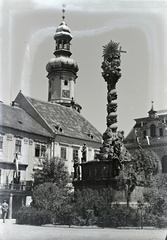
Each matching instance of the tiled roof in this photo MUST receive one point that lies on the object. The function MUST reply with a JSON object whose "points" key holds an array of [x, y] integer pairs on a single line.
{"points": [[162, 112], [17, 118], [72, 123], [130, 136]]}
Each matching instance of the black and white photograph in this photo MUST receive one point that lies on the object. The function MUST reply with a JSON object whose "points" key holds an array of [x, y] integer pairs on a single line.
{"points": [[83, 119]]}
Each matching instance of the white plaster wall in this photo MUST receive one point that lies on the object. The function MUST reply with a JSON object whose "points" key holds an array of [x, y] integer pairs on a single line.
{"points": [[72, 90]]}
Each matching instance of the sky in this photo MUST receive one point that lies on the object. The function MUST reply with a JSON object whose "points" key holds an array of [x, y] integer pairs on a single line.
{"points": [[27, 28]]}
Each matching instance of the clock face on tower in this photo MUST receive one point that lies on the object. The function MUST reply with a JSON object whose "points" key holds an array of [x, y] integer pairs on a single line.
{"points": [[66, 93]]}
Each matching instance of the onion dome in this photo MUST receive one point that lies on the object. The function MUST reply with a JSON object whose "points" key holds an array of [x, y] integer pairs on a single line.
{"points": [[62, 62], [62, 52], [63, 32]]}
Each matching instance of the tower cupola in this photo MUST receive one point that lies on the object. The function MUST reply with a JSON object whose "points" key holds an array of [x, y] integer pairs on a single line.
{"points": [[62, 70], [152, 113]]}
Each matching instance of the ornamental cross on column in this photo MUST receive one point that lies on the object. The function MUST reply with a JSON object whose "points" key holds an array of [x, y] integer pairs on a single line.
{"points": [[112, 140]]}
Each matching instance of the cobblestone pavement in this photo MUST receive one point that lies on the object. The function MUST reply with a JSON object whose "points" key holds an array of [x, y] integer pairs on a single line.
{"points": [[12, 231]]}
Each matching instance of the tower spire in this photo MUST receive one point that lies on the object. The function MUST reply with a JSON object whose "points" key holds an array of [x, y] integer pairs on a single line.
{"points": [[63, 11], [152, 105], [62, 70], [152, 113]]}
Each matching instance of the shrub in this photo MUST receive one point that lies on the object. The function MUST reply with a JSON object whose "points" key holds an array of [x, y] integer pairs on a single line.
{"points": [[149, 220], [79, 221], [119, 216], [161, 222], [90, 217], [32, 216]]}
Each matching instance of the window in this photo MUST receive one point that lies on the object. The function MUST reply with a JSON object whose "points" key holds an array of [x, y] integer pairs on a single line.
{"points": [[60, 46], [65, 46], [43, 150], [30, 142], [9, 137], [58, 128], [75, 154], [18, 146], [1, 143], [63, 153], [164, 164], [40, 150], [49, 96], [26, 141], [90, 135], [161, 132], [152, 130], [37, 150], [66, 83]]}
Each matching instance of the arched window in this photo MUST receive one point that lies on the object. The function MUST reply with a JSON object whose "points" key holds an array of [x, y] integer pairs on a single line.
{"points": [[65, 82], [152, 130], [164, 164], [161, 132]]}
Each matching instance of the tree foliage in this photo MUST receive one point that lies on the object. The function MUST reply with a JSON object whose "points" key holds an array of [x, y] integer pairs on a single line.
{"points": [[98, 201], [140, 171], [145, 164], [53, 171], [101, 208], [50, 190], [32, 216], [53, 202], [48, 196], [156, 195]]}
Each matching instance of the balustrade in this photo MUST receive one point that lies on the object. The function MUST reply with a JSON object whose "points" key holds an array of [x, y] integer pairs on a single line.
{"points": [[20, 187]]}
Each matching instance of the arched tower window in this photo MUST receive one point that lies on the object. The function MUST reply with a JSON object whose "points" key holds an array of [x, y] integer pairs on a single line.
{"points": [[164, 164], [152, 130], [161, 132], [65, 82]]}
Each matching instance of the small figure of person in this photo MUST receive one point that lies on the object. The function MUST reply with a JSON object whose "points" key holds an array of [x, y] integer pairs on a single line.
{"points": [[72, 103], [4, 210], [84, 153], [76, 169], [0, 210]]}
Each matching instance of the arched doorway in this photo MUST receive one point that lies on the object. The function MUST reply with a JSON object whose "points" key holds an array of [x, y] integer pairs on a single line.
{"points": [[152, 130]]}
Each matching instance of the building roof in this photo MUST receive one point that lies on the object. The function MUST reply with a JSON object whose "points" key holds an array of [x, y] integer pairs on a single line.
{"points": [[162, 112], [17, 118], [131, 135], [65, 121], [160, 115]]}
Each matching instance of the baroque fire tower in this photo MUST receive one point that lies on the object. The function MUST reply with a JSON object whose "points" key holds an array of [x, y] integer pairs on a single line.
{"points": [[62, 70]]}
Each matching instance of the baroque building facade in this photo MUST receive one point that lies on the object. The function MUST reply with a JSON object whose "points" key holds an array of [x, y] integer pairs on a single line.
{"points": [[151, 133], [32, 130]]}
